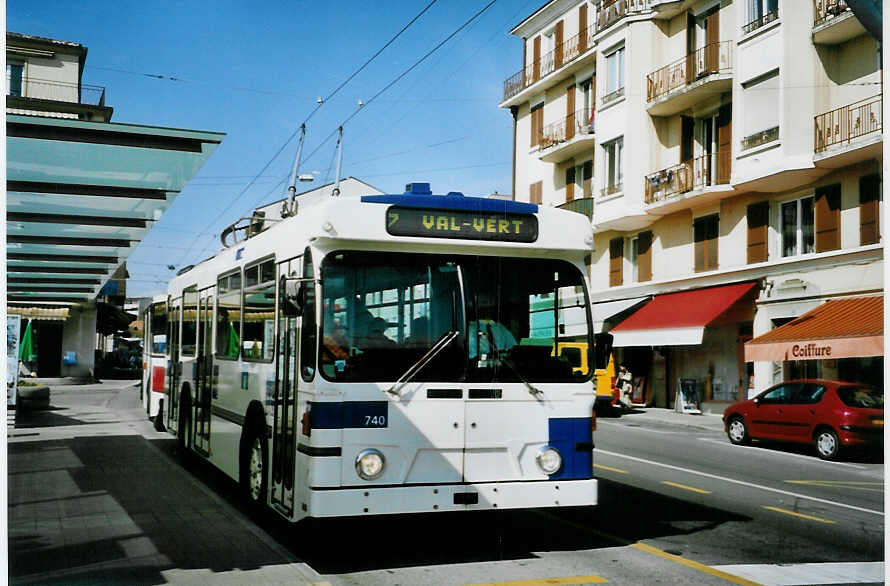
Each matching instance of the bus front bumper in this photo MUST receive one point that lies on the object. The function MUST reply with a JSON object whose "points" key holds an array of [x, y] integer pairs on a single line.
{"points": [[342, 502]]}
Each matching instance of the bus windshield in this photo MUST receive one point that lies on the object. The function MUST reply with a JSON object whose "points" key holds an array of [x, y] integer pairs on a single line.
{"points": [[382, 312]]}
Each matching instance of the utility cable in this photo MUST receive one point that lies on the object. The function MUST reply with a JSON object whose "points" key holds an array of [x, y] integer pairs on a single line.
{"points": [[312, 113]]}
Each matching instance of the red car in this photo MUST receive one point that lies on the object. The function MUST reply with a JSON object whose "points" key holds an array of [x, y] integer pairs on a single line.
{"points": [[827, 413]]}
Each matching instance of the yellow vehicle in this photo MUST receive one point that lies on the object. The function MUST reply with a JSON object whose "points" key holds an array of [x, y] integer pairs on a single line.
{"points": [[606, 397], [575, 354]]}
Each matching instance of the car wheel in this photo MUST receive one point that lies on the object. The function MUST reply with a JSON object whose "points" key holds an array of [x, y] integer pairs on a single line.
{"points": [[737, 431], [827, 444]]}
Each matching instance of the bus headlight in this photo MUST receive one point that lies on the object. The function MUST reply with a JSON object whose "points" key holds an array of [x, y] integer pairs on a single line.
{"points": [[369, 464], [549, 460]]}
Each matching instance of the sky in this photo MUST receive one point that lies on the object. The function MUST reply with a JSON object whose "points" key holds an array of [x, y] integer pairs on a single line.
{"points": [[254, 70]]}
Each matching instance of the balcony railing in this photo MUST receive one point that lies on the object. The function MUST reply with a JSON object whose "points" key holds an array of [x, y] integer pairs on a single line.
{"points": [[710, 59], [695, 173], [58, 91], [582, 206], [828, 9], [847, 123], [611, 11], [575, 124], [612, 96], [759, 138], [759, 22], [560, 56]]}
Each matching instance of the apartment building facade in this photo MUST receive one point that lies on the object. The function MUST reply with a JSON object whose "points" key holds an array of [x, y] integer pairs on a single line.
{"points": [[728, 154]]}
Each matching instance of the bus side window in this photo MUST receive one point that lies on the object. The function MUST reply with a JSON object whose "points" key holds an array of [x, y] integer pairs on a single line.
{"points": [[228, 316], [309, 337]]}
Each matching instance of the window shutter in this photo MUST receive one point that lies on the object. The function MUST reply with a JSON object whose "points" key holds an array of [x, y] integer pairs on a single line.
{"points": [[557, 50], [828, 214], [644, 256], [705, 235], [582, 28], [536, 192], [587, 177], [758, 230], [869, 209], [536, 58], [570, 183], [616, 261], [570, 112], [537, 124]]}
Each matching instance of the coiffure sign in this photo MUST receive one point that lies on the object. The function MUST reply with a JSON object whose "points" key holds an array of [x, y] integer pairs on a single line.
{"points": [[806, 351]]}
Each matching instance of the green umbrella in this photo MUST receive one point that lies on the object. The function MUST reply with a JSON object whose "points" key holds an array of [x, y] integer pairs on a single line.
{"points": [[234, 342], [26, 346]]}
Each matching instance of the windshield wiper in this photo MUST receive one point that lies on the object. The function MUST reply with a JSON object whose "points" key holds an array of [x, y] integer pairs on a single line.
{"points": [[500, 357], [415, 368]]}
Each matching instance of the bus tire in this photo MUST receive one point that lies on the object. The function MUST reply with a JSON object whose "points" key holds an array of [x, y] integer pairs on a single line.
{"points": [[254, 465], [184, 423]]}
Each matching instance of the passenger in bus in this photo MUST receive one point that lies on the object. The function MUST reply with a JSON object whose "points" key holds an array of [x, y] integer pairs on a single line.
{"points": [[370, 332], [488, 335]]}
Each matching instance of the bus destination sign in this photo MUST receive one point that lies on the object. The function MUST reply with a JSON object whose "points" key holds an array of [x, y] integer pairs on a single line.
{"points": [[461, 224]]}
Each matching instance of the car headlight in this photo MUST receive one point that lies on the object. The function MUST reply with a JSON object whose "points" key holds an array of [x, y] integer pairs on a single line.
{"points": [[369, 464], [549, 460]]}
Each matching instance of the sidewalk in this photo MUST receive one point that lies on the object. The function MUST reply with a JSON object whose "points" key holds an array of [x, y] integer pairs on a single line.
{"points": [[706, 421], [96, 495]]}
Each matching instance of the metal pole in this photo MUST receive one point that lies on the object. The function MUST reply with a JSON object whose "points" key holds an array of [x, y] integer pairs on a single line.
{"points": [[292, 188], [336, 191]]}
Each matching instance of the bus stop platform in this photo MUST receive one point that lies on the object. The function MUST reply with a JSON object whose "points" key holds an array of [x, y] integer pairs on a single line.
{"points": [[97, 496]]}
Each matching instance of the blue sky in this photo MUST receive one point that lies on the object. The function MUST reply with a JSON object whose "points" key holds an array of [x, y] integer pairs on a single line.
{"points": [[254, 70]]}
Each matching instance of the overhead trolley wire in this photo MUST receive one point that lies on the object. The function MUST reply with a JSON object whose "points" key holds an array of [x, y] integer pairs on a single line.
{"points": [[312, 113]]}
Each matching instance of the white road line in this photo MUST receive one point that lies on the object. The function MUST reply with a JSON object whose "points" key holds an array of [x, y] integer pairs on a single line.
{"points": [[778, 453], [740, 482], [819, 573]]}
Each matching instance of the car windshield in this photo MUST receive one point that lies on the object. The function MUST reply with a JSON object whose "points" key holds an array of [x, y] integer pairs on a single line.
{"points": [[866, 397], [382, 312]]}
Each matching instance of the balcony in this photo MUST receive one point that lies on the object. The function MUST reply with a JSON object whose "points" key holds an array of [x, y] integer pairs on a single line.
{"points": [[676, 87], [611, 11], [834, 23], [759, 138], [567, 52], [849, 134], [760, 22], [58, 91], [581, 206], [702, 175], [567, 137]]}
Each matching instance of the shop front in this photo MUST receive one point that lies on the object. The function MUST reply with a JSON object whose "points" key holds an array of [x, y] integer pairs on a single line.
{"points": [[685, 349], [841, 339]]}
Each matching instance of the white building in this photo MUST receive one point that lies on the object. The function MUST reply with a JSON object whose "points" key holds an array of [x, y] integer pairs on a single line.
{"points": [[728, 150]]}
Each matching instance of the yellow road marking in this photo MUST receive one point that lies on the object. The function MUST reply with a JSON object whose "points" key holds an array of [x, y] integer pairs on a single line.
{"points": [[694, 565], [801, 515], [865, 486], [684, 487], [544, 581], [610, 469]]}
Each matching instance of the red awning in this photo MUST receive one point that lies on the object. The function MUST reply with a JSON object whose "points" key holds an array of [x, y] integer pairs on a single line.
{"points": [[678, 319], [840, 328]]}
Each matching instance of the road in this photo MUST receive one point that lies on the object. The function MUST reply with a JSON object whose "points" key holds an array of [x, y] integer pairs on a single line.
{"points": [[677, 505]]}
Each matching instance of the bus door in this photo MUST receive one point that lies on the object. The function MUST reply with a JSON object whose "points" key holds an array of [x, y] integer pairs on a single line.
{"points": [[285, 410], [174, 368], [203, 374]]}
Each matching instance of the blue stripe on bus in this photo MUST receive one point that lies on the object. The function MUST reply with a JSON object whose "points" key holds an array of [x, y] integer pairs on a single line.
{"points": [[572, 436], [454, 202], [349, 414]]}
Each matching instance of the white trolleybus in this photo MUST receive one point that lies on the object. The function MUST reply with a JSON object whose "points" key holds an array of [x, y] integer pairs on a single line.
{"points": [[389, 354]]}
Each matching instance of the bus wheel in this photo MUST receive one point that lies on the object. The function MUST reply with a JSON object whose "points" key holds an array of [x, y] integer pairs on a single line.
{"points": [[254, 461]]}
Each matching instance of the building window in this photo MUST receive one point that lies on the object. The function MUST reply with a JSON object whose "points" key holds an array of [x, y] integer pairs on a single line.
{"points": [[614, 75], [537, 120], [705, 232], [570, 183], [797, 227], [761, 116], [828, 217], [536, 192], [634, 254], [761, 12], [613, 151], [587, 178], [616, 262], [14, 72], [644, 256], [869, 209], [758, 230]]}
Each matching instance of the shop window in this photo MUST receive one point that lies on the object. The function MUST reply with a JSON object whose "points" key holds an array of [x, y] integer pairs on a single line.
{"points": [[828, 216], [705, 232], [797, 227]]}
